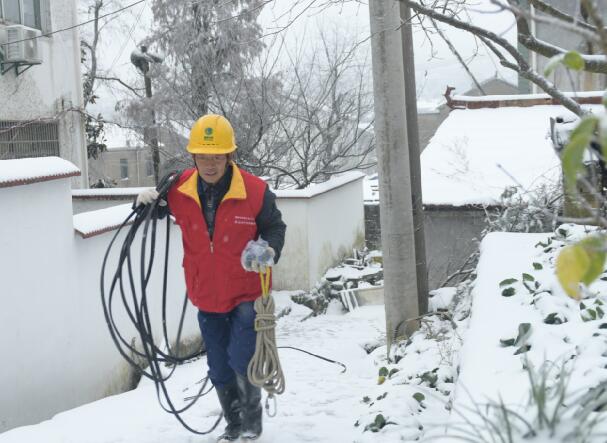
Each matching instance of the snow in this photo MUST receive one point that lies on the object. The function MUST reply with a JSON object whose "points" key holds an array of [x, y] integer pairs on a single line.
{"points": [[506, 97], [456, 362], [320, 188], [89, 223], [35, 168], [576, 346], [320, 404], [108, 192], [477, 153]]}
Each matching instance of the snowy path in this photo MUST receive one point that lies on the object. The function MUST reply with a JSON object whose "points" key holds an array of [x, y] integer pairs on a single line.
{"points": [[319, 405]]}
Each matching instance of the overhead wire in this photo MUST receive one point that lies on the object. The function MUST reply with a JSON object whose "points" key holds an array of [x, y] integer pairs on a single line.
{"points": [[48, 34]]}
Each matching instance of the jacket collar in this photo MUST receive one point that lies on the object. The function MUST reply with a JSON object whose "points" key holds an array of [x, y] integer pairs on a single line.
{"points": [[236, 191]]}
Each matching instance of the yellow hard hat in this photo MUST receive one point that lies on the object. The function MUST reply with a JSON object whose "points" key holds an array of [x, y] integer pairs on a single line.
{"points": [[211, 134]]}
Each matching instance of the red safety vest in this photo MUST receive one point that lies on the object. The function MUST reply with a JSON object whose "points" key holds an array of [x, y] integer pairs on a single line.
{"points": [[215, 279]]}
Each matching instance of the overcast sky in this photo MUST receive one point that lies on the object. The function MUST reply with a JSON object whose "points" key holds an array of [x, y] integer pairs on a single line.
{"points": [[350, 18]]}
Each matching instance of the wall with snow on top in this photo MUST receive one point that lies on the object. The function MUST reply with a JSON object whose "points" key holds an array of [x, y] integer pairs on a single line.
{"points": [[324, 223], [52, 322], [58, 350]]}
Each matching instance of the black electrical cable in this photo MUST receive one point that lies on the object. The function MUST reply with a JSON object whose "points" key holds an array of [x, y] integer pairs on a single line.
{"points": [[137, 308]]}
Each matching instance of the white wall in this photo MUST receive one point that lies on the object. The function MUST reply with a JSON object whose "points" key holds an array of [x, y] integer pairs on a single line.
{"points": [[324, 223], [58, 350], [49, 89], [293, 271], [335, 227]]}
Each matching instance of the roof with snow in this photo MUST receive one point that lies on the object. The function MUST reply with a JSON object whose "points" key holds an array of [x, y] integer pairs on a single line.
{"points": [[315, 189], [34, 170], [475, 154]]}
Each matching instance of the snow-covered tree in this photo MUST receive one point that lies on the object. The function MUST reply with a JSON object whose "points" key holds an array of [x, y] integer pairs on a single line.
{"points": [[322, 117], [584, 24], [210, 49]]}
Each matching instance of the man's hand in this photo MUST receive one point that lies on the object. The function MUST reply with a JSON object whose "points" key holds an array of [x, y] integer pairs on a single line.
{"points": [[146, 197], [257, 256]]}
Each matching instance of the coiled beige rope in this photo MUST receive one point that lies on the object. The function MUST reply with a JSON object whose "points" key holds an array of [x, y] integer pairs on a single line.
{"points": [[264, 368]]}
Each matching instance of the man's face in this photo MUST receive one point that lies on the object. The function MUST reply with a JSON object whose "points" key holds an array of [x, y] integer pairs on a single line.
{"points": [[211, 167]]}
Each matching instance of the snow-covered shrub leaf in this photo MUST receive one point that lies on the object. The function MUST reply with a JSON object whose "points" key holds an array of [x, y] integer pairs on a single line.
{"points": [[537, 266], [377, 424], [582, 262], [528, 277], [603, 132], [383, 371], [589, 315], [508, 292], [505, 342], [553, 63], [381, 379], [508, 281], [522, 349], [554, 319], [419, 397], [573, 153], [573, 60], [524, 330]]}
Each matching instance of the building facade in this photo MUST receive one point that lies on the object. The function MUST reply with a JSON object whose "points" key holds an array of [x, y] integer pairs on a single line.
{"points": [[127, 162], [41, 85]]}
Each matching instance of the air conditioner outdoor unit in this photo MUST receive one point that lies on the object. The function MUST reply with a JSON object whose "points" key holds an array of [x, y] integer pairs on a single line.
{"points": [[20, 45]]}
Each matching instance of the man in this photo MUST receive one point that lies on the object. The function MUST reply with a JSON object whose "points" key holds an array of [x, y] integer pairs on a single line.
{"points": [[220, 209]]}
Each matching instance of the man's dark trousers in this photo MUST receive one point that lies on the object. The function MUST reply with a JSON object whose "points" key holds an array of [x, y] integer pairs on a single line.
{"points": [[230, 342]]}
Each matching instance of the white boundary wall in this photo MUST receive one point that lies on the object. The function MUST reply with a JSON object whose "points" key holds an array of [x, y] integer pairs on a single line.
{"points": [[58, 352], [324, 223]]}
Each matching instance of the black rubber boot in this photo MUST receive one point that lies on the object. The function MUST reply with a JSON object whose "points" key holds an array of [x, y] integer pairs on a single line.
{"points": [[251, 410], [230, 404]]}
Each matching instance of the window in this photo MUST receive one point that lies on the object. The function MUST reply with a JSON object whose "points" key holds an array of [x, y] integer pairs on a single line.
{"points": [[149, 168], [23, 12], [23, 139], [124, 168]]}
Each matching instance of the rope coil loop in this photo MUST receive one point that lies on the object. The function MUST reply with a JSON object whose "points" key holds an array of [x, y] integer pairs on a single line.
{"points": [[264, 369]]}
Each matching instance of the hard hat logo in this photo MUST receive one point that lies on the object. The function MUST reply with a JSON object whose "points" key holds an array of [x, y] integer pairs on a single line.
{"points": [[212, 134], [208, 134]]}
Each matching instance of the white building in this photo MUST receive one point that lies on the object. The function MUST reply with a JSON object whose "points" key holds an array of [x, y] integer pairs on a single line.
{"points": [[41, 85]]}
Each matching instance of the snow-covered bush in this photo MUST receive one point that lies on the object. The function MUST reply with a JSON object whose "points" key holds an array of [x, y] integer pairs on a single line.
{"points": [[363, 269], [552, 413], [525, 212]]}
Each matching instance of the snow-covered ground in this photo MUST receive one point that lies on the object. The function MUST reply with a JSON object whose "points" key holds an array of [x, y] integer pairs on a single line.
{"points": [[466, 370]]}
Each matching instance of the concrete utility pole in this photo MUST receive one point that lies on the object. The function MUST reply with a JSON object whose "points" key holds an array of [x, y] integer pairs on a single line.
{"points": [[396, 204], [414, 158]]}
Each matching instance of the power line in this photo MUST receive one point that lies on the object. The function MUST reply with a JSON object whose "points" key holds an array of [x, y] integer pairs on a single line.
{"points": [[79, 24]]}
